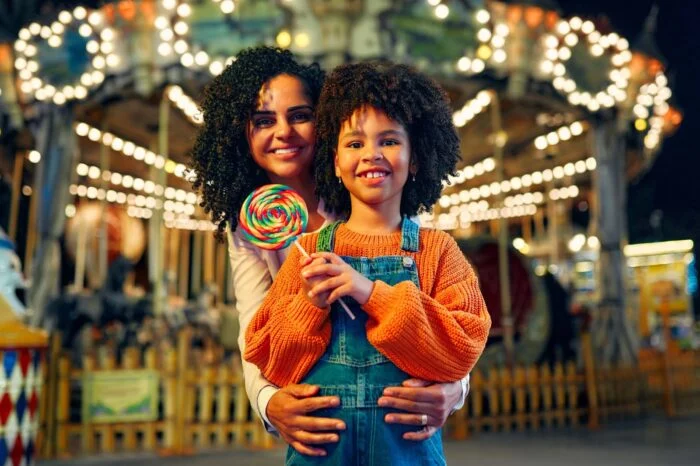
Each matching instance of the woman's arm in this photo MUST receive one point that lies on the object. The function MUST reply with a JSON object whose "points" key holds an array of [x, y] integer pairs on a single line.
{"points": [[251, 281]]}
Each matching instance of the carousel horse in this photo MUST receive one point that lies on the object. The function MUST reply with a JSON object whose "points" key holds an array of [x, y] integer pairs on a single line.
{"points": [[11, 281], [108, 311]]}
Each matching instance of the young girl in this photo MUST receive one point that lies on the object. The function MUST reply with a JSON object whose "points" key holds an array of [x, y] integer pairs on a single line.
{"points": [[385, 132], [259, 127]]}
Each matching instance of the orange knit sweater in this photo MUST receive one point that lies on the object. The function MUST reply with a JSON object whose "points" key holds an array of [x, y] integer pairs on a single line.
{"points": [[434, 333]]}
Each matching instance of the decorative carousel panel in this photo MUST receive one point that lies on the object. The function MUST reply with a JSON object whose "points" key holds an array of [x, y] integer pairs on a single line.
{"points": [[206, 34], [62, 60], [435, 32], [590, 68]]}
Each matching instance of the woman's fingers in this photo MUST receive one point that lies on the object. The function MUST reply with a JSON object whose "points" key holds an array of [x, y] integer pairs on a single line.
{"points": [[306, 450], [420, 435], [408, 419]]}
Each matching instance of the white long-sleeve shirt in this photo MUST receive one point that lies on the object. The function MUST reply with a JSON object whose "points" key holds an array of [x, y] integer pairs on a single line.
{"points": [[252, 272]]}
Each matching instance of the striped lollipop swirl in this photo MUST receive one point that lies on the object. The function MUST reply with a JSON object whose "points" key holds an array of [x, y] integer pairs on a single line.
{"points": [[273, 216]]}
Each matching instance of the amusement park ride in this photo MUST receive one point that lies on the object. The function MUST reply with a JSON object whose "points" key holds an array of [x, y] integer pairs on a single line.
{"points": [[553, 111]]}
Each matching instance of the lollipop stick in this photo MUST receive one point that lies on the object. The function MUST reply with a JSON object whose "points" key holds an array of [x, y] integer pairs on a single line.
{"points": [[342, 303]]}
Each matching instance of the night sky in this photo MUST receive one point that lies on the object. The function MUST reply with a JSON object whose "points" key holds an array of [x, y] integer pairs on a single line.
{"points": [[673, 183]]}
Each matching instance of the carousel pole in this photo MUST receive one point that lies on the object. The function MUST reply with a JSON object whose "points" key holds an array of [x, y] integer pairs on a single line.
{"points": [[615, 340], [103, 246], [16, 193], [500, 139], [32, 224], [156, 240], [56, 142], [183, 274], [197, 246], [80, 256], [553, 227]]}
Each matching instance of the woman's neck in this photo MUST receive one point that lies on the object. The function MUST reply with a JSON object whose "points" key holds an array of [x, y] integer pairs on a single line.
{"points": [[307, 190], [369, 220]]}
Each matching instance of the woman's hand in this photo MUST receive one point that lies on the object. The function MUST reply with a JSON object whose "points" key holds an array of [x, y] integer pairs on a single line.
{"points": [[340, 279], [288, 411], [421, 398]]}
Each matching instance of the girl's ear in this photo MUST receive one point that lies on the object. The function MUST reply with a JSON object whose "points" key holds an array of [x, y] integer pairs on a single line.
{"points": [[337, 169]]}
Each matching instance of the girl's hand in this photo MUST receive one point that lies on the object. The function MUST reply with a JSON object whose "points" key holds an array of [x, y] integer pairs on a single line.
{"points": [[318, 300], [338, 278]]}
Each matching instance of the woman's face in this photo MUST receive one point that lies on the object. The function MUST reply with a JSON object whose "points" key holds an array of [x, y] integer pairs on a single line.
{"points": [[281, 130]]}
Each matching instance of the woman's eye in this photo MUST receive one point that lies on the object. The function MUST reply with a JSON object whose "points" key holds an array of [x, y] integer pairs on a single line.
{"points": [[301, 117], [263, 122]]}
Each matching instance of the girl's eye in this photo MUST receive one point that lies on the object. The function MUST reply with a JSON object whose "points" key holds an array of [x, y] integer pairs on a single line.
{"points": [[391, 142], [354, 145]]}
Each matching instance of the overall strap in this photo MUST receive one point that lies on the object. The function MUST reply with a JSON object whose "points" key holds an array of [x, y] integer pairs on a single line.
{"points": [[326, 237], [410, 234]]}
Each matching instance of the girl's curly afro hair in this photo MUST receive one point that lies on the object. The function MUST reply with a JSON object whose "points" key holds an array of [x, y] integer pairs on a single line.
{"points": [[221, 159], [406, 96]]}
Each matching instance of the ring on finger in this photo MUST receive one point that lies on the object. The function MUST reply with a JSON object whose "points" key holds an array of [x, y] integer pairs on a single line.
{"points": [[424, 419]]}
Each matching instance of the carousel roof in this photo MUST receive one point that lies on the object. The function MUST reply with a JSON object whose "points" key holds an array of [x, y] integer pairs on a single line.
{"points": [[552, 78]]}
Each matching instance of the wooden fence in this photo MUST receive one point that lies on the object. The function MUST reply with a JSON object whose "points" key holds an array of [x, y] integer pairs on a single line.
{"points": [[204, 404]]}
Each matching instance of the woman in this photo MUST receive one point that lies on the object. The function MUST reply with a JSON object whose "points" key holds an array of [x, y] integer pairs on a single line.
{"points": [[259, 128]]}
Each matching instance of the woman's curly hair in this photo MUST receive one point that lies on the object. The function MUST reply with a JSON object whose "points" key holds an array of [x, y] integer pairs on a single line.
{"points": [[224, 168], [406, 96]]}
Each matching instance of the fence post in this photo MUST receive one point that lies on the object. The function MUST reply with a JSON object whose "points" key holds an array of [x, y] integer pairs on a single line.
{"points": [[223, 403], [520, 398], [669, 396], [130, 361], [87, 433], [149, 433], [50, 396], [184, 338], [63, 406], [560, 393], [109, 363], [591, 383], [170, 401], [572, 379], [547, 395], [533, 384]]}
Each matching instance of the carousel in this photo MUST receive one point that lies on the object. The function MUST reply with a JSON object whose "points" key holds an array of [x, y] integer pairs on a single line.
{"points": [[99, 111]]}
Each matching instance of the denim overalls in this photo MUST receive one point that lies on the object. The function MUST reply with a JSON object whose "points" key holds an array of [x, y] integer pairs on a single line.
{"points": [[352, 369]]}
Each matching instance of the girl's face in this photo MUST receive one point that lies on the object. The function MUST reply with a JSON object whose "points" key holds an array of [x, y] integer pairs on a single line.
{"points": [[281, 131], [373, 158]]}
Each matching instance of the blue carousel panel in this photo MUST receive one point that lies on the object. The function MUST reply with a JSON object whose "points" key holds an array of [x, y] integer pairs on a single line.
{"points": [[8, 362], [253, 22], [426, 36], [64, 64]]}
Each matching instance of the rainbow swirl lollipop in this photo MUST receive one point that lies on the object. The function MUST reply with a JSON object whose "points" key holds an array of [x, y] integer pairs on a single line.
{"points": [[273, 216]]}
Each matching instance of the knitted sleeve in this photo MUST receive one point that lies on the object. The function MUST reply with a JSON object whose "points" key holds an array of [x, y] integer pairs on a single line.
{"points": [[288, 334], [435, 335]]}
